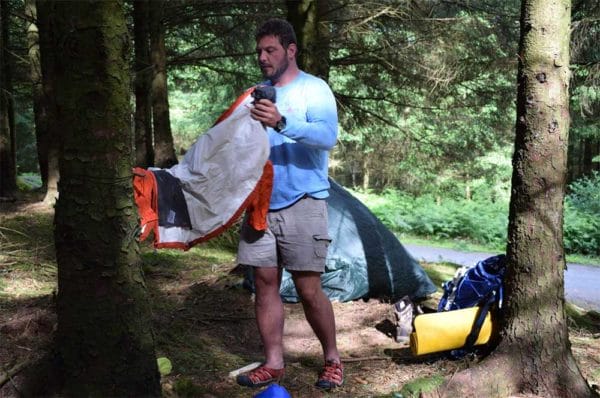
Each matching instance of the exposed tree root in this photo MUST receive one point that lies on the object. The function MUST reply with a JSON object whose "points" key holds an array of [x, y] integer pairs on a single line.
{"points": [[498, 377], [490, 378]]}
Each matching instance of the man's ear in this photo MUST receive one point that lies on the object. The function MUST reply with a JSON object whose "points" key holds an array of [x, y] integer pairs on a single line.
{"points": [[292, 50]]}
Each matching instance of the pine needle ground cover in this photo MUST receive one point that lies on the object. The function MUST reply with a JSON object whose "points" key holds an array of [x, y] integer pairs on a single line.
{"points": [[205, 328]]}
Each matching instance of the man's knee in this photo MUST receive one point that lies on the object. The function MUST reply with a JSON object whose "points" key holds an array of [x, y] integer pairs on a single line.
{"points": [[266, 277], [308, 286]]}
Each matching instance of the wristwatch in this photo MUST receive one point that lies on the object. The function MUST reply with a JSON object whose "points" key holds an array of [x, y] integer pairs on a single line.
{"points": [[280, 125]]}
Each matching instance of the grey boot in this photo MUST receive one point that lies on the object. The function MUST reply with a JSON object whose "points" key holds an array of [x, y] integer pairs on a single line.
{"points": [[403, 310]]}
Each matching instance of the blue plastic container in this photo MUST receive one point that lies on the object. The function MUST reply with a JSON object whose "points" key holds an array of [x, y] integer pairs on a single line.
{"points": [[274, 391]]}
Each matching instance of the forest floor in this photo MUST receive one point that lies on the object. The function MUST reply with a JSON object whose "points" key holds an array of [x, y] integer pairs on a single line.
{"points": [[204, 322]]}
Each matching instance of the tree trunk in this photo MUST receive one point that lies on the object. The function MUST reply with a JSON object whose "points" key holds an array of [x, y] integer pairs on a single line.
{"points": [[534, 353], [366, 172], [164, 152], [46, 125], [35, 72], [590, 151], [581, 157], [8, 166], [144, 153], [105, 340], [313, 36]]}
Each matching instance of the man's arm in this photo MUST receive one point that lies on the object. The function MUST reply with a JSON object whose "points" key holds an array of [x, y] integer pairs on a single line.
{"points": [[320, 128]]}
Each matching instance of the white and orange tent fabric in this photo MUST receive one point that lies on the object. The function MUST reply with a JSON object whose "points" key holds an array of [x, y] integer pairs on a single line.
{"points": [[225, 172]]}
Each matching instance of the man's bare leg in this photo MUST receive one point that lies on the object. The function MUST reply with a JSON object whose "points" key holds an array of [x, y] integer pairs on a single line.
{"points": [[318, 311], [268, 308]]}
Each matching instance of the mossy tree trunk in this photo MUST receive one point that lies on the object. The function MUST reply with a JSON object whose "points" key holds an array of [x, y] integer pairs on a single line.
{"points": [[534, 354], [308, 19], [8, 165], [164, 151], [47, 129], [104, 338], [144, 152]]}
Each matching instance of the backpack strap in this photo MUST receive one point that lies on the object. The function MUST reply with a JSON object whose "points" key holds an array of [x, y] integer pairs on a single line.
{"points": [[484, 307]]}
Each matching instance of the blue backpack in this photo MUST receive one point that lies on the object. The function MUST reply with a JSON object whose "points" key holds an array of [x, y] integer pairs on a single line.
{"points": [[476, 285]]}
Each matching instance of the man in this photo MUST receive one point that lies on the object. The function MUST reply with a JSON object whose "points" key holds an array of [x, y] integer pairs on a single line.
{"points": [[302, 128]]}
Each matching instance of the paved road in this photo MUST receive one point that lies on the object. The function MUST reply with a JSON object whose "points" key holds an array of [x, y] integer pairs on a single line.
{"points": [[582, 282]]}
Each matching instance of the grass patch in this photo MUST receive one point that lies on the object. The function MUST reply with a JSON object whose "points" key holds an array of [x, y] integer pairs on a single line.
{"points": [[27, 260], [440, 272], [455, 244], [414, 388]]}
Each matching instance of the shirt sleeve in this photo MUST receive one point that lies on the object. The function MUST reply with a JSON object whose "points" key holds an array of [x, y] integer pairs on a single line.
{"points": [[320, 128]]}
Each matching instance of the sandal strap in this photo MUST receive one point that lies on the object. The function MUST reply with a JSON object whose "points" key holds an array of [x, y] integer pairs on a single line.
{"points": [[333, 372], [263, 373]]}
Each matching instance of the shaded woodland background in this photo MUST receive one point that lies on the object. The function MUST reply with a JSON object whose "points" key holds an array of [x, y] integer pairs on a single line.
{"points": [[426, 92], [425, 89]]}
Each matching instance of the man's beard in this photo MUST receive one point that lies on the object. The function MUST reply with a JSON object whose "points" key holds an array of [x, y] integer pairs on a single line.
{"points": [[277, 73]]}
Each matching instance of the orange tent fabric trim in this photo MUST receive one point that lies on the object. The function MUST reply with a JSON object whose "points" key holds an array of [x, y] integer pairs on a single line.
{"points": [[146, 199], [237, 102], [145, 194]]}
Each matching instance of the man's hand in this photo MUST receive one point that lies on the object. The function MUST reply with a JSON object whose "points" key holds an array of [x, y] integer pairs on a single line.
{"points": [[266, 112]]}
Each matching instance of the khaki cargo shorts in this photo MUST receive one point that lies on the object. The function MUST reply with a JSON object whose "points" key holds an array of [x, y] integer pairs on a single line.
{"points": [[296, 238]]}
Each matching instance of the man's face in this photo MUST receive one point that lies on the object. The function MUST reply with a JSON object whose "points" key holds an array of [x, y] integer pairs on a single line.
{"points": [[272, 58]]}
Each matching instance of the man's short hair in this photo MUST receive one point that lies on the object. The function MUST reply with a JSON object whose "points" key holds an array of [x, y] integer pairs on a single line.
{"points": [[279, 28]]}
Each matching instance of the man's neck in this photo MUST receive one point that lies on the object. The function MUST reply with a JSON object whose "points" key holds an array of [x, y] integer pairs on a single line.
{"points": [[287, 77]]}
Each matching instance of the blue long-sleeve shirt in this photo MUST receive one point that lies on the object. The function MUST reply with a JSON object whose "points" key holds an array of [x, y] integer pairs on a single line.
{"points": [[300, 152]]}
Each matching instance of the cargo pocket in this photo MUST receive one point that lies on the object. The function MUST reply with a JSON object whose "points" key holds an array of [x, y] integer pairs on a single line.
{"points": [[321, 245]]}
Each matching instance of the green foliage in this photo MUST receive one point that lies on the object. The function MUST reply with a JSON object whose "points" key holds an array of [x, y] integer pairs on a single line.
{"points": [[484, 220], [27, 157], [413, 110], [585, 194], [29, 181], [477, 220], [582, 216]]}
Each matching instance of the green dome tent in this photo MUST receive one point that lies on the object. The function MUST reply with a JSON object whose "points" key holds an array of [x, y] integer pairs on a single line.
{"points": [[365, 259]]}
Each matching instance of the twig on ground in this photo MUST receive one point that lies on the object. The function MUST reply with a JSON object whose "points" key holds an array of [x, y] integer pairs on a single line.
{"points": [[377, 358], [244, 369], [219, 318], [7, 375]]}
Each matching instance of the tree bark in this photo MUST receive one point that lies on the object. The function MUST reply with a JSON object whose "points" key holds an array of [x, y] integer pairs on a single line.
{"points": [[144, 152], [164, 151], [534, 353], [8, 165], [312, 34], [104, 338], [46, 125]]}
